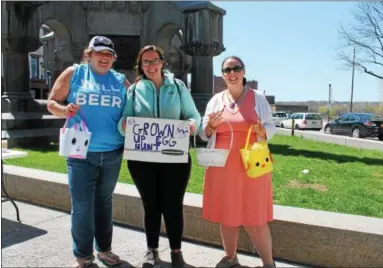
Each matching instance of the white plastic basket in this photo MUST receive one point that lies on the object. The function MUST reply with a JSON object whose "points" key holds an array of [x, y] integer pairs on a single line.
{"points": [[211, 157]]}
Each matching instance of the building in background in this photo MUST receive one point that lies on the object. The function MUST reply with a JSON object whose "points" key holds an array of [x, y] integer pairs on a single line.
{"points": [[291, 108], [38, 76], [219, 85]]}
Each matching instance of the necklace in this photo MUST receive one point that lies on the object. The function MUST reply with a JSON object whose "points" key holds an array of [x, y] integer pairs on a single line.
{"points": [[233, 102]]}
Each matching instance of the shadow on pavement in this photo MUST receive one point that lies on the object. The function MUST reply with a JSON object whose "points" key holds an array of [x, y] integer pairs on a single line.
{"points": [[165, 264], [13, 232], [124, 264]]}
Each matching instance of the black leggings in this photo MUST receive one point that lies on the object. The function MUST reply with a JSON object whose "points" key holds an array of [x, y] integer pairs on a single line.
{"points": [[162, 188]]}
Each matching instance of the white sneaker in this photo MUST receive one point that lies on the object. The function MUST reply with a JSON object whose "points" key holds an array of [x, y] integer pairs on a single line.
{"points": [[151, 258]]}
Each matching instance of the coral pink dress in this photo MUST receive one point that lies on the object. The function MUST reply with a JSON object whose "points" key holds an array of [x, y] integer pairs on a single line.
{"points": [[230, 197]]}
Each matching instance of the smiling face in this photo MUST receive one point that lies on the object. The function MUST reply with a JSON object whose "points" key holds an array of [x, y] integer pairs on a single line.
{"points": [[262, 161], [101, 61], [233, 72], [151, 64]]}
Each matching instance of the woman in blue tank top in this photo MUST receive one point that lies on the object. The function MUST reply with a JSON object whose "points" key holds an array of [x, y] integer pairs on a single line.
{"points": [[99, 93], [157, 94]]}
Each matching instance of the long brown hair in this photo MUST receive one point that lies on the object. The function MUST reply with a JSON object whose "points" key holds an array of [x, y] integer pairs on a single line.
{"points": [[139, 72]]}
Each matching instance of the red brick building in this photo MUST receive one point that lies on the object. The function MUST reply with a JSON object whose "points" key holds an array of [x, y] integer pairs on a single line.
{"points": [[219, 84]]}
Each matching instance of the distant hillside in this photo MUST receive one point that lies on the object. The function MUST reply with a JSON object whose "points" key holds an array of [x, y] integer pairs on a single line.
{"points": [[325, 102], [339, 107]]}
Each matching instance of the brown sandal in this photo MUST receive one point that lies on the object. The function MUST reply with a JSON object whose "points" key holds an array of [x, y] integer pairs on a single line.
{"points": [[83, 263], [108, 258]]}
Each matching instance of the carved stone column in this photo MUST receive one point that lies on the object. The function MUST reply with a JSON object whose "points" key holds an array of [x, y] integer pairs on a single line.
{"points": [[176, 61], [16, 81], [202, 80], [19, 36], [202, 40]]}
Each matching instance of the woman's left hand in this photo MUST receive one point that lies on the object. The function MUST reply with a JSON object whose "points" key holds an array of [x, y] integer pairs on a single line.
{"points": [[260, 130], [192, 128]]}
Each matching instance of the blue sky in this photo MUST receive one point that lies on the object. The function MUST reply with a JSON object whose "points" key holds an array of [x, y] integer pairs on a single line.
{"points": [[289, 47]]}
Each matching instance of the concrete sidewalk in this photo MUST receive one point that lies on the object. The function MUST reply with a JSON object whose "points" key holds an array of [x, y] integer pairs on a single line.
{"points": [[43, 240]]}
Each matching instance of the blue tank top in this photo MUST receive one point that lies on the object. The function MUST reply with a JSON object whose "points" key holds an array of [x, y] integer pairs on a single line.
{"points": [[101, 99]]}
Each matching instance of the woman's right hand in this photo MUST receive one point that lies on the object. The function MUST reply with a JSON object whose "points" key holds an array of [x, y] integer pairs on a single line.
{"points": [[215, 119], [71, 109], [123, 124]]}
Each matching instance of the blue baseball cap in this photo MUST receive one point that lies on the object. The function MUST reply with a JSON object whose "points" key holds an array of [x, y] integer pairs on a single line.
{"points": [[99, 43]]}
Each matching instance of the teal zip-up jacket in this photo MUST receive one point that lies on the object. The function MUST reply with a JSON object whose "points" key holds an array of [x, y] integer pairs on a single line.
{"points": [[169, 106]]}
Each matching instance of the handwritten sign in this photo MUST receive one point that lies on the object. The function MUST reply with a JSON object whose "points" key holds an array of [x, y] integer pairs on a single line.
{"points": [[157, 140]]}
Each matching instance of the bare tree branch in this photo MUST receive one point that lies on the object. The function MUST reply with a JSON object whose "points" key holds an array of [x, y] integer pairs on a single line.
{"points": [[374, 62], [375, 25], [347, 63], [366, 37], [370, 73]]}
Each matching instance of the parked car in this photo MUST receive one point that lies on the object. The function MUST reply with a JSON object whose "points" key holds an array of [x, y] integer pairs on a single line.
{"points": [[379, 123], [357, 125], [304, 121], [278, 117]]}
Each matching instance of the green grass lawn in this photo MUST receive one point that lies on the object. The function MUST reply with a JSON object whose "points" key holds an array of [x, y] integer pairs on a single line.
{"points": [[340, 179]]}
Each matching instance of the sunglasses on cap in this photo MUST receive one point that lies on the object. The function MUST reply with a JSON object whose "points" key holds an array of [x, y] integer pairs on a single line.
{"points": [[101, 40], [235, 69], [99, 43]]}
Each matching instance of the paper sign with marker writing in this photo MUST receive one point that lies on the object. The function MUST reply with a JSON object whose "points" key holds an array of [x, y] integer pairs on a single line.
{"points": [[157, 140]]}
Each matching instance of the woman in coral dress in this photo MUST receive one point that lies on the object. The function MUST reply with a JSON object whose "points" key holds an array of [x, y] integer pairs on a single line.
{"points": [[230, 197]]}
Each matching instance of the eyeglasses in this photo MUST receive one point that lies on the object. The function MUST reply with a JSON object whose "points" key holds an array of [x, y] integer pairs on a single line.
{"points": [[235, 69], [150, 62]]}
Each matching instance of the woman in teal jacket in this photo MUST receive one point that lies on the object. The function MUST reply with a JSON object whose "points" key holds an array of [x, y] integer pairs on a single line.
{"points": [[157, 94]]}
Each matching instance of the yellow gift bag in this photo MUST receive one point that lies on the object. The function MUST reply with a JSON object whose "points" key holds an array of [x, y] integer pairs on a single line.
{"points": [[256, 158]]}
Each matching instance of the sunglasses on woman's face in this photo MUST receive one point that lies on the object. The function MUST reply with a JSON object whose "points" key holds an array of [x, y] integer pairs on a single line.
{"points": [[235, 69]]}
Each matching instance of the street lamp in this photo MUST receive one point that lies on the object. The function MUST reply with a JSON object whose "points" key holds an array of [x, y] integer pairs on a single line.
{"points": [[352, 81], [330, 99]]}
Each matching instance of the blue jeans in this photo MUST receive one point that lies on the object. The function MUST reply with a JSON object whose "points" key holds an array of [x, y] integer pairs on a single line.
{"points": [[91, 185]]}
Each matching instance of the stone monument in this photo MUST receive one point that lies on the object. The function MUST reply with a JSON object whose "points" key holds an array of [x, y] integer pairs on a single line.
{"points": [[190, 33], [203, 24], [19, 35]]}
